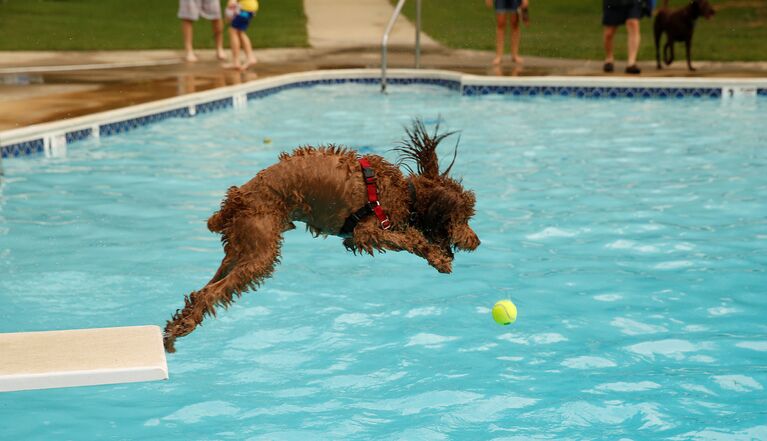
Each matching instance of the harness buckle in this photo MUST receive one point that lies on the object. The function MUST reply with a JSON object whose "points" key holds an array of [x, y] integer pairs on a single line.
{"points": [[386, 224]]}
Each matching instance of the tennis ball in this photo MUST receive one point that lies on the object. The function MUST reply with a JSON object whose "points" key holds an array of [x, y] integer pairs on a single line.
{"points": [[504, 312], [267, 140]]}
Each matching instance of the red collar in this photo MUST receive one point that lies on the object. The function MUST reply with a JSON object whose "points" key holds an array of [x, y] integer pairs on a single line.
{"points": [[373, 206], [373, 203]]}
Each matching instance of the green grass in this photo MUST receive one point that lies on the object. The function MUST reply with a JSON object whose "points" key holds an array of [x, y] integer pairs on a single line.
{"points": [[572, 29], [133, 24]]}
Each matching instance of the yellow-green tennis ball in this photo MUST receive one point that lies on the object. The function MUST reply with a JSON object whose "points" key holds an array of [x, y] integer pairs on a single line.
{"points": [[504, 312]]}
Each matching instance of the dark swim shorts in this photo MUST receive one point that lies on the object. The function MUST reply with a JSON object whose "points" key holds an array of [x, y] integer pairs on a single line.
{"points": [[507, 5], [242, 20], [616, 12]]}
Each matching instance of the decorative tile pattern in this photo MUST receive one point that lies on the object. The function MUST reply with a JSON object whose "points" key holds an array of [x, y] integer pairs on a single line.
{"points": [[134, 123], [449, 84], [212, 106], [78, 135], [593, 91], [26, 148]]}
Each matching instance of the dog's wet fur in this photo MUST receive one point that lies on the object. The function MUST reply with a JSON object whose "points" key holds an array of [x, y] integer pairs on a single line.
{"points": [[322, 186], [678, 25]]}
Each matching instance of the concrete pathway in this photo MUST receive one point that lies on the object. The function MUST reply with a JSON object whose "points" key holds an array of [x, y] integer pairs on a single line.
{"points": [[357, 23]]}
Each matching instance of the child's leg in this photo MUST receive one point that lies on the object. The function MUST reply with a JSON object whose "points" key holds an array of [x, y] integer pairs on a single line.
{"points": [[515, 36], [248, 47], [234, 41], [500, 36]]}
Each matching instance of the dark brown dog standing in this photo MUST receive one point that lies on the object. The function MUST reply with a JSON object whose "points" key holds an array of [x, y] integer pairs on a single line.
{"points": [[678, 25], [428, 211]]}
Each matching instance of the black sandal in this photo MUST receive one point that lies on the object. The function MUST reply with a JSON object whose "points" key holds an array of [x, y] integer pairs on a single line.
{"points": [[608, 67], [633, 69]]}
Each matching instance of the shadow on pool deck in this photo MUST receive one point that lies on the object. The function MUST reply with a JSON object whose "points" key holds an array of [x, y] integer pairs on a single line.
{"points": [[37, 87]]}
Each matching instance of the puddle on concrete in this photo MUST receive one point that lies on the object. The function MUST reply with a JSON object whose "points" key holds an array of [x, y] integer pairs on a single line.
{"points": [[20, 79], [33, 99]]}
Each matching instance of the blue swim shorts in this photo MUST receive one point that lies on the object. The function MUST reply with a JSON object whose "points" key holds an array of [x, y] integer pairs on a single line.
{"points": [[242, 20], [507, 5]]}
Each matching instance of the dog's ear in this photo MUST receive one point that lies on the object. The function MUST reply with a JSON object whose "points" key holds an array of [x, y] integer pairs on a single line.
{"points": [[421, 147]]}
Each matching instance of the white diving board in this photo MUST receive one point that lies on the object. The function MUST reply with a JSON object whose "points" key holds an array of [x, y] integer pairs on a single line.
{"points": [[81, 357]]}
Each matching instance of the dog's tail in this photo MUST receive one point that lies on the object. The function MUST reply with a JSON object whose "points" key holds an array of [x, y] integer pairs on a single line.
{"points": [[229, 207]]}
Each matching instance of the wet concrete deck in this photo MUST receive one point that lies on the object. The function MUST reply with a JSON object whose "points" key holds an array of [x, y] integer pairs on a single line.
{"points": [[48, 86]]}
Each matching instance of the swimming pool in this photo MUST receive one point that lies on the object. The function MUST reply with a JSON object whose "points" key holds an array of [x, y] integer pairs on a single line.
{"points": [[630, 234]]}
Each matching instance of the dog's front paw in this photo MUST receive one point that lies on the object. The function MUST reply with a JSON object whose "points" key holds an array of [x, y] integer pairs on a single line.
{"points": [[444, 266]]}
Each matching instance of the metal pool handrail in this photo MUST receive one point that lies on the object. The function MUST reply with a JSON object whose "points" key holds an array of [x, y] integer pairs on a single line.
{"points": [[385, 39]]}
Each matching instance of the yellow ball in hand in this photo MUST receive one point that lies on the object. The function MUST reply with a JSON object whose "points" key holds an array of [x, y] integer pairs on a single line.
{"points": [[504, 312]]}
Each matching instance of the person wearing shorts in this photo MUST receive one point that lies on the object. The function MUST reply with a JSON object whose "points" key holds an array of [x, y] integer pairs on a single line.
{"points": [[508, 11], [614, 14], [189, 11], [241, 12]]}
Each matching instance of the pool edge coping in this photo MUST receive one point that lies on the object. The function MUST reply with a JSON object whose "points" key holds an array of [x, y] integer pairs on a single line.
{"points": [[52, 137]]}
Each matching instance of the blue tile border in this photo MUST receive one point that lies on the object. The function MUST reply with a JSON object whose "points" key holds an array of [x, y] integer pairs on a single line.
{"points": [[134, 123], [36, 146], [212, 106], [593, 91], [78, 135], [26, 148]]}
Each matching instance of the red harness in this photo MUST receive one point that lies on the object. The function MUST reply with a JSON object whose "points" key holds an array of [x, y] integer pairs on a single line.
{"points": [[372, 207]]}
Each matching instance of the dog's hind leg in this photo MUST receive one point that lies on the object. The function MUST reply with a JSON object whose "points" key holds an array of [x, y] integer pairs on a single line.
{"points": [[688, 47], [253, 249], [233, 203], [668, 51], [657, 34], [226, 265]]}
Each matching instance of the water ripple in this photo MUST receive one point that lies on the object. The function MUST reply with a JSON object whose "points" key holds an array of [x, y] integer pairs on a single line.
{"points": [[588, 362], [737, 383]]}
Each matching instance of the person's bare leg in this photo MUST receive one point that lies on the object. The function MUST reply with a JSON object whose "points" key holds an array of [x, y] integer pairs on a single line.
{"points": [[515, 36], [248, 48], [500, 36], [632, 28], [234, 41], [607, 36], [186, 29], [218, 36]]}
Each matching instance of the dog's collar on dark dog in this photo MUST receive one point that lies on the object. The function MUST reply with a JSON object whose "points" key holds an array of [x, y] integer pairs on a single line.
{"points": [[373, 206]]}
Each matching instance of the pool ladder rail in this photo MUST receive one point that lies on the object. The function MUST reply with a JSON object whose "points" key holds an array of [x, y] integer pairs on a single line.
{"points": [[385, 39]]}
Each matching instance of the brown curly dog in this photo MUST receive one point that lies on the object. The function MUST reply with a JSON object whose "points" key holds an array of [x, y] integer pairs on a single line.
{"points": [[367, 201]]}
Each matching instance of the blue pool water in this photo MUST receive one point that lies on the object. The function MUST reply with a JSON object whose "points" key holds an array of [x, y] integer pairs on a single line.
{"points": [[631, 234]]}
